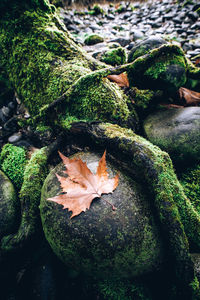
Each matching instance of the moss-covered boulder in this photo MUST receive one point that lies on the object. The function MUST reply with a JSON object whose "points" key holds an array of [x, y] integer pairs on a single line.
{"points": [[176, 131], [9, 207], [96, 10], [114, 57], [93, 39], [163, 68], [145, 47], [102, 242]]}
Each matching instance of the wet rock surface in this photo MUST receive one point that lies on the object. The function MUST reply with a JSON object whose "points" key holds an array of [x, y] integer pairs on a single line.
{"points": [[101, 241], [176, 131]]}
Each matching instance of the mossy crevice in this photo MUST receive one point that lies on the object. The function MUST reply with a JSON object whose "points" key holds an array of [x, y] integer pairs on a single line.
{"points": [[34, 175]]}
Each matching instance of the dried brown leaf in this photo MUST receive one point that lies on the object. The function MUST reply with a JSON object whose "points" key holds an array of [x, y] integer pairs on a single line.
{"points": [[82, 186], [189, 97], [121, 79]]}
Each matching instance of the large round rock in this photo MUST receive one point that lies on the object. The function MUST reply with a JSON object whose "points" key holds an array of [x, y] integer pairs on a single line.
{"points": [[177, 131], [101, 242], [9, 208]]}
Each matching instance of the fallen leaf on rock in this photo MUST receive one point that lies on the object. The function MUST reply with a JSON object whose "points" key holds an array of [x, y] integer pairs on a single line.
{"points": [[121, 79], [190, 97], [82, 186]]}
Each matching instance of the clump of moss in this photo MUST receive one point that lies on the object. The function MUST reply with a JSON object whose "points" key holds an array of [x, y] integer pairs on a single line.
{"points": [[188, 2], [93, 39], [190, 181], [120, 9], [120, 290], [13, 161], [96, 10], [153, 70], [57, 3], [141, 98], [114, 57]]}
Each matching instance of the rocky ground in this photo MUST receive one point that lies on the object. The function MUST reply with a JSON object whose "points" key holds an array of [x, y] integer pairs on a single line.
{"points": [[129, 23]]}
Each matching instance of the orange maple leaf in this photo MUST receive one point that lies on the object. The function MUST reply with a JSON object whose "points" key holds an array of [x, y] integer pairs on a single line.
{"points": [[121, 79], [82, 186]]}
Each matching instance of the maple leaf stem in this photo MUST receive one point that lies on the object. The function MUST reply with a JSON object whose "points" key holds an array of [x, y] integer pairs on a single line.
{"points": [[113, 207]]}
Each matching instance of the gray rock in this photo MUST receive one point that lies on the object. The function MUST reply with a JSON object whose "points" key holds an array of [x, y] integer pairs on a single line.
{"points": [[122, 41], [15, 137], [136, 34], [145, 46], [9, 208], [101, 242], [176, 131]]}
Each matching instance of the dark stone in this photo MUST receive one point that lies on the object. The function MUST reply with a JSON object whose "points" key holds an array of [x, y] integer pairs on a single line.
{"points": [[122, 41], [193, 16], [3, 118], [101, 242], [169, 16], [11, 125], [110, 17], [15, 138], [73, 28], [177, 20], [23, 143], [67, 20], [145, 46], [176, 131]]}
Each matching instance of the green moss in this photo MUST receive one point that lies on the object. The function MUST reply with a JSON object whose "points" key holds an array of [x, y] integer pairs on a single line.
{"points": [[193, 72], [93, 98], [93, 39], [6, 90], [190, 181], [120, 9], [57, 3], [122, 290], [142, 98], [79, 13], [150, 71], [188, 2], [114, 57], [195, 289], [51, 60], [96, 10], [34, 175], [52, 64], [13, 161]]}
